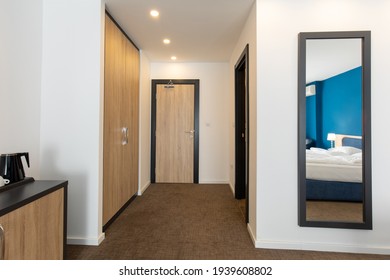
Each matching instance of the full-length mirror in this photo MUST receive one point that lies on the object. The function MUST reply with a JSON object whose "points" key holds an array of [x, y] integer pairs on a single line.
{"points": [[334, 135]]}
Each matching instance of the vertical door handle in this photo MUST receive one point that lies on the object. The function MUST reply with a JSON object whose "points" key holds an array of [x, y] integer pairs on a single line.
{"points": [[2, 243], [125, 136]]}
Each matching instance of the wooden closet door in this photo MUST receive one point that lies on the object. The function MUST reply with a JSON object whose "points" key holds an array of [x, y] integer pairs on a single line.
{"points": [[113, 88], [130, 118], [120, 162]]}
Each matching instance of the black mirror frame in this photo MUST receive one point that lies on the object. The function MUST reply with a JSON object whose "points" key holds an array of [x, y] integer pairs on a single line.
{"points": [[366, 122]]}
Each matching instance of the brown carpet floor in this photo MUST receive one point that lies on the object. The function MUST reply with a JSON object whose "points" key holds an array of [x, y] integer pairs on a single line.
{"points": [[188, 222], [334, 211]]}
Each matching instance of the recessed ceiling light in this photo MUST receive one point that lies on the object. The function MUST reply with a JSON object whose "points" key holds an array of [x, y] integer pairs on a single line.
{"points": [[166, 41], [173, 57], [154, 13]]}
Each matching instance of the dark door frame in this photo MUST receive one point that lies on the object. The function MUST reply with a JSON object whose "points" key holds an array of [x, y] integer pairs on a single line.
{"points": [[242, 129], [194, 82]]}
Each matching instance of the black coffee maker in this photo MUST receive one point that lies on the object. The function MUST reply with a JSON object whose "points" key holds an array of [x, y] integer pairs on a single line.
{"points": [[11, 166]]}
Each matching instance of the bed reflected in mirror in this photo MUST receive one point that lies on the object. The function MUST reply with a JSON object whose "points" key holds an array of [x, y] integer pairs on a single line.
{"points": [[334, 149], [334, 188]]}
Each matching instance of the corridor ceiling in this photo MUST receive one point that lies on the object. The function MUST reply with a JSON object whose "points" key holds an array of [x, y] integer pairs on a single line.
{"points": [[199, 30]]}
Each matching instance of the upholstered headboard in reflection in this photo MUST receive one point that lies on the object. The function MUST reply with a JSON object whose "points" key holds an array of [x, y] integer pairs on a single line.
{"points": [[348, 140]]}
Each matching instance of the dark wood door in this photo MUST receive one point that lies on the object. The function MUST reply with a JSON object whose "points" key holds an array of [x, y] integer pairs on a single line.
{"points": [[242, 129]]}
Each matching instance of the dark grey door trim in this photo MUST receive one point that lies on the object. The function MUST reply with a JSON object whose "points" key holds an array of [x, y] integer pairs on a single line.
{"points": [[242, 128]]}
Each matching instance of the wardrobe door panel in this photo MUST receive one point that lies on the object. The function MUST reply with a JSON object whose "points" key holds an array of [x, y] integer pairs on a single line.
{"points": [[132, 115], [120, 162]]}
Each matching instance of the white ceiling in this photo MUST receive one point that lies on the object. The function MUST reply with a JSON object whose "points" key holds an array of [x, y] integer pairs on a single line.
{"points": [[200, 30], [326, 58]]}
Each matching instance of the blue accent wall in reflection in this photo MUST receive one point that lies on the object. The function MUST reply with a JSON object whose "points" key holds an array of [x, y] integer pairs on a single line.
{"points": [[336, 107]]}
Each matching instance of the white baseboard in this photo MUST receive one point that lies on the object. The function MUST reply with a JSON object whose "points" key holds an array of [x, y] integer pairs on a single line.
{"points": [[86, 241], [214, 182], [251, 234], [325, 247], [143, 188], [232, 189]]}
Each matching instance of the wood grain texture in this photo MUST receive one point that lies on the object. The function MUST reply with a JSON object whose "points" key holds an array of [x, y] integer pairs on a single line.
{"points": [[121, 102], [35, 231], [132, 116], [113, 87], [174, 145]]}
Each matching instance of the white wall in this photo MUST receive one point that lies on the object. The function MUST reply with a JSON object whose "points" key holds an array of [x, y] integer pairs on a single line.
{"points": [[145, 124], [279, 22], [71, 110], [20, 79], [248, 36], [51, 84], [213, 113]]}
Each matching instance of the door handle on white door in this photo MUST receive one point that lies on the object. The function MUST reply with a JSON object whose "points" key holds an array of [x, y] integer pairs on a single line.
{"points": [[125, 136]]}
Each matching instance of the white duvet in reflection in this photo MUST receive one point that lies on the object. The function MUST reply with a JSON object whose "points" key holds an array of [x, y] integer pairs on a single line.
{"points": [[343, 164], [339, 155]]}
